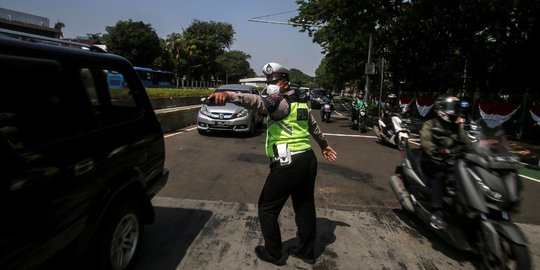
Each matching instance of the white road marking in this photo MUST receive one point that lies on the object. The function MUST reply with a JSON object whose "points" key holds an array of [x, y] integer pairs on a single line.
{"points": [[180, 132], [413, 141], [350, 135], [529, 178]]}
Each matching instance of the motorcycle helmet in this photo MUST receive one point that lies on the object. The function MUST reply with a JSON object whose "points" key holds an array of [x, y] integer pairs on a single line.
{"points": [[447, 108], [274, 72], [391, 98]]}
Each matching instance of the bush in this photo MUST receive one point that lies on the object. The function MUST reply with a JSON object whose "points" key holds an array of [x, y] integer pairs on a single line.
{"points": [[175, 92], [164, 92]]}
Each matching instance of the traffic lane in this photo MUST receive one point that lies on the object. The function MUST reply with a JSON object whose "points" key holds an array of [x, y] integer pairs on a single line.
{"points": [[217, 166], [359, 179], [529, 208], [528, 213], [229, 167]]}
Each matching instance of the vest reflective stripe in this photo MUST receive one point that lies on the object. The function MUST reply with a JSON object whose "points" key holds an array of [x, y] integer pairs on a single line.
{"points": [[289, 130]]}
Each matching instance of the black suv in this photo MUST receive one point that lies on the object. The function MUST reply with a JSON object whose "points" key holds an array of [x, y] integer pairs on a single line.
{"points": [[79, 161]]}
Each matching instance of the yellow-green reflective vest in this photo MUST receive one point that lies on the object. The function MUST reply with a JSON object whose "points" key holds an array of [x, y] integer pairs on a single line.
{"points": [[292, 130]]}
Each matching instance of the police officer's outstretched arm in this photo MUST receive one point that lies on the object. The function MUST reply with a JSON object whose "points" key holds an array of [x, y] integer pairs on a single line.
{"points": [[246, 100], [328, 152]]}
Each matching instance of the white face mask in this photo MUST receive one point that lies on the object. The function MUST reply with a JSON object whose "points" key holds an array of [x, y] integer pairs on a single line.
{"points": [[272, 89]]}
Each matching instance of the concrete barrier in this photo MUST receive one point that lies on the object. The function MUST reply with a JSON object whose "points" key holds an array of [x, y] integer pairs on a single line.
{"points": [[175, 118]]}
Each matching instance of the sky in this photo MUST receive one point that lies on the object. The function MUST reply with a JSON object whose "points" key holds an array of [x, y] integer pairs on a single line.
{"points": [[265, 42]]}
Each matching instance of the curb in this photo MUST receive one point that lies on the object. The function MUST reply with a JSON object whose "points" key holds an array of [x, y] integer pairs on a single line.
{"points": [[176, 118]]}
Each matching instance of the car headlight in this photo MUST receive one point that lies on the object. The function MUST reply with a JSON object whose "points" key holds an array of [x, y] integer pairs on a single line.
{"points": [[204, 111], [242, 113]]}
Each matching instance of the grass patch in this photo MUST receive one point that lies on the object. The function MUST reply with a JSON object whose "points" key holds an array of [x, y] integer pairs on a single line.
{"points": [[529, 172], [175, 92], [164, 92]]}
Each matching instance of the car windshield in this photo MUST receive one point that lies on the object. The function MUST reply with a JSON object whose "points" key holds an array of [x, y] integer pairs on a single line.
{"points": [[232, 90], [319, 93]]}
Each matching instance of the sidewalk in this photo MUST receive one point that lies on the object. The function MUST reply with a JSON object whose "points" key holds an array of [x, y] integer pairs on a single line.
{"points": [[197, 234]]}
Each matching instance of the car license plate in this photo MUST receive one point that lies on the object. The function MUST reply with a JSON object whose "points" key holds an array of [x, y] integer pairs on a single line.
{"points": [[222, 123]]}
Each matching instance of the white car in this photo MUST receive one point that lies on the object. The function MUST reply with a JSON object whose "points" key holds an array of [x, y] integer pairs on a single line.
{"points": [[229, 117]]}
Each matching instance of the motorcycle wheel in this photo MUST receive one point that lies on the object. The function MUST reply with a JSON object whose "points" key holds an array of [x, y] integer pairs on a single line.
{"points": [[516, 257], [377, 131], [328, 118], [401, 144]]}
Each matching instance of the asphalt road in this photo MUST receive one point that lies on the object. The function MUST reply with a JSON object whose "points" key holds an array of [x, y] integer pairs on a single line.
{"points": [[206, 215]]}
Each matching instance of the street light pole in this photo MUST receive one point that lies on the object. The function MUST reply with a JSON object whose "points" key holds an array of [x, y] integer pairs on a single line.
{"points": [[369, 68], [382, 79]]}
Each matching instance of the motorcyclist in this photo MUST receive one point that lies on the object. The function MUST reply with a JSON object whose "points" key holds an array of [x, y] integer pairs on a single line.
{"points": [[390, 107], [327, 99], [357, 104], [442, 139]]}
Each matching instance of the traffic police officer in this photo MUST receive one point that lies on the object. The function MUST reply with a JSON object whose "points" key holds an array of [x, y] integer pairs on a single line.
{"points": [[293, 166]]}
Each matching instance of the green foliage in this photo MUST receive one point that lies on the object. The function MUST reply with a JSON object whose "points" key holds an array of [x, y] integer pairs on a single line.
{"points": [[434, 46], [164, 92], [298, 77], [234, 65], [174, 92], [136, 41], [203, 42]]}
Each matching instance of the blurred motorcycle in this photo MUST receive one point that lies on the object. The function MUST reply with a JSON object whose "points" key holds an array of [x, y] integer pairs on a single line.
{"points": [[478, 199], [326, 111], [395, 132]]}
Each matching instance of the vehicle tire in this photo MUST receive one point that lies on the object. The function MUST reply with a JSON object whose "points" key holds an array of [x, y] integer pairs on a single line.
{"points": [[401, 144], [251, 131], [377, 130], [202, 132], [516, 257], [120, 236]]}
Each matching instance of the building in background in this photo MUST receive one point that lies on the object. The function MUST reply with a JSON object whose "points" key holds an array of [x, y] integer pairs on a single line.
{"points": [[28, 23], [259, 81]]}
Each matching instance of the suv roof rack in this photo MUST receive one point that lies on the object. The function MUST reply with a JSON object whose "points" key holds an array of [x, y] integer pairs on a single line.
{"points": [[48, 40]]}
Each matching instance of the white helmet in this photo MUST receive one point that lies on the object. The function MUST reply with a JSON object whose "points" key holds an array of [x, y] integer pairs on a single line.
{"points": [[275, 71]]}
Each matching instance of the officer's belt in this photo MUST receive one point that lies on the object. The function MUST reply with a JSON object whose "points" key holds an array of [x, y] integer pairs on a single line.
{"points": [[274, 159]]}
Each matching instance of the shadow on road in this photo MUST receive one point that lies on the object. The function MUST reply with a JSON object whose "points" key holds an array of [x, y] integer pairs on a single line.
{"points": [[168, 239], [419, 229], [325, 235]]}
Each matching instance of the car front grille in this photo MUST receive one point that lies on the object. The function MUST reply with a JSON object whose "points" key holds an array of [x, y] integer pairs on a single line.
{"points": [[224, 116]]}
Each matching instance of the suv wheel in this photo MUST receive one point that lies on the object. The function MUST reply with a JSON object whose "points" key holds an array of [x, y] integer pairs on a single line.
{"points": [[121, 236]]}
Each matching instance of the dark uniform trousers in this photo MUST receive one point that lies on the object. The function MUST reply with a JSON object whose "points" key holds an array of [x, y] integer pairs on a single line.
{"points": [[437, 172], [298, 181]]}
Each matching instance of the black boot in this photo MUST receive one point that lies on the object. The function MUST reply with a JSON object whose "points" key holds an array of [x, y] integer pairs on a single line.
{"points": [[263, 254], [297, 253]]}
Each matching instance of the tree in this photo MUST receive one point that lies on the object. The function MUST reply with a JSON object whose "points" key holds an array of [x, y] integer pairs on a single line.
{"points": [[58, 26], [430, 46], [203, 43], [96, 36], [298, 77], [234, 65], [165, 60], [136, 41]]}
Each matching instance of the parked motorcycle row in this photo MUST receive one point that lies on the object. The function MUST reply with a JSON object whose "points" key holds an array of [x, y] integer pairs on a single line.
{"points": [[480, 196]]}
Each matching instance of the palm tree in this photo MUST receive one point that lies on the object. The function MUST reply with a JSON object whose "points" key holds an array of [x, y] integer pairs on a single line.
{"points": [[58, 26]]}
